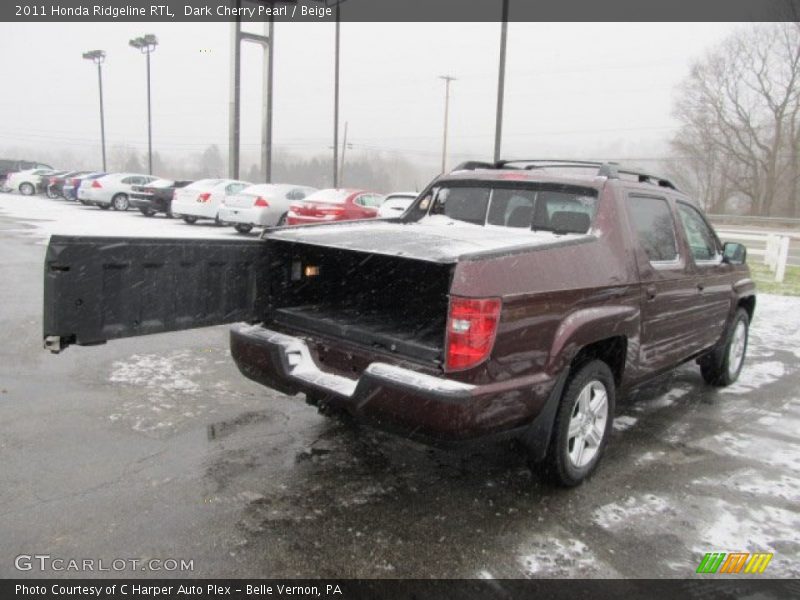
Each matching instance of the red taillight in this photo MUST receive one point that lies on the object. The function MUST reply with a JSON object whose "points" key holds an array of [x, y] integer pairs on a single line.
{"points": [[204, 197], [333, 210], [471, 328], [261, 201], [96, 184]]}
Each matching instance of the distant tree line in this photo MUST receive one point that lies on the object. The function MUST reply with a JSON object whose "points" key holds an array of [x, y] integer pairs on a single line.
{"points": [[739, 109]]}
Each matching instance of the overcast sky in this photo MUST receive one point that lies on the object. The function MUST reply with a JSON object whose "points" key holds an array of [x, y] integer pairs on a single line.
{"points": [[577, 89]]}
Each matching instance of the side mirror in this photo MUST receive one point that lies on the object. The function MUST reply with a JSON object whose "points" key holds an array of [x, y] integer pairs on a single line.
{"points": [[734, 253]]}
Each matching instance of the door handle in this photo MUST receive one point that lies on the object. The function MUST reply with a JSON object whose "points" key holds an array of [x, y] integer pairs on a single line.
{"points": [[651, 292]]}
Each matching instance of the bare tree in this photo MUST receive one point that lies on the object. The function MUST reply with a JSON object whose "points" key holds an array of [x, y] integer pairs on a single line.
{"points": [[739, 114]]}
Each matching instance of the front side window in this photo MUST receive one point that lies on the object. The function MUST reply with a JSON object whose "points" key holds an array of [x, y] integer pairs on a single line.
{"points": [[702, 241], [652, 221]]}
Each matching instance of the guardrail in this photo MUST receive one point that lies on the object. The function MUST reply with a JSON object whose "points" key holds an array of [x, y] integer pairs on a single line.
{"points": [[754, 220]]}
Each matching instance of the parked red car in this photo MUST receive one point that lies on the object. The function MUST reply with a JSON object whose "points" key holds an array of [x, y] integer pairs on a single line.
{"points": [[335, 205]]}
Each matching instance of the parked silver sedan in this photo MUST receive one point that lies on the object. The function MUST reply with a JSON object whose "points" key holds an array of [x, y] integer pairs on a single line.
{"points": [[111, 190], [261, 205]]}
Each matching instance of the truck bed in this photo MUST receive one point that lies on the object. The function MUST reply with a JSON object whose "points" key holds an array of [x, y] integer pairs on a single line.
{"points": [[393, 332], [395, 304]]}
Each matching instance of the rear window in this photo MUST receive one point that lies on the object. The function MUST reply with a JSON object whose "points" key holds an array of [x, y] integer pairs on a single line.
{"points": [[161, 183], [559, 210], [205, 183], [337, 196]]}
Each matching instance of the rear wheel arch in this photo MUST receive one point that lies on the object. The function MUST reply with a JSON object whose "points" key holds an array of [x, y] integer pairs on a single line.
{"points": [[611, 351], [601, 332]]}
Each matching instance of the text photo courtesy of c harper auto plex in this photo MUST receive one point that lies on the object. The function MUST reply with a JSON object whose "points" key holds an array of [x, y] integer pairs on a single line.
{"points": [[432, 299]]}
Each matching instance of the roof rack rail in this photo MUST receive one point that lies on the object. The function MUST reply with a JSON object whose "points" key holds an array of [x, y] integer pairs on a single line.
{"points": [[611, 170]]}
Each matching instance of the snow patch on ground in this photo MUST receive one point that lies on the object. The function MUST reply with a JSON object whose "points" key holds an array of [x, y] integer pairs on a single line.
{"points": [[751, 481], [756, 375], [164, 373], [662, 401], [649, 457], [775, 326], [161, 393], [762, 529], [624, 422], [548, 557], [631, 511], [47, 217], [743, 445]]}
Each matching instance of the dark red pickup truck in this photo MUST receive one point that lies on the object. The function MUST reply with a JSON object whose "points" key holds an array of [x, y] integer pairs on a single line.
{"points": [[514, 299]]}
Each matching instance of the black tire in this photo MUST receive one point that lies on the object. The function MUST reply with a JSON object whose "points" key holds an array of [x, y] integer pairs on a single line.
{"points": [[724, 363], [217, 221], [27, 189], [104, 206], [189, 220], [560, 465], [120, 202], [282, 221], [147, 212], [243, 228], [50, 194]]}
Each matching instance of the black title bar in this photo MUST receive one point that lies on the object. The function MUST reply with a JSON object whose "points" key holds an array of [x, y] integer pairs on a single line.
{"points": [[401, 11]]}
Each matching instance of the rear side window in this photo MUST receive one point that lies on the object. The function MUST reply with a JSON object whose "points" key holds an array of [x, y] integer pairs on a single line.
{"points": [[462, 203], [701, 239], [370, 200], [652, 221]]}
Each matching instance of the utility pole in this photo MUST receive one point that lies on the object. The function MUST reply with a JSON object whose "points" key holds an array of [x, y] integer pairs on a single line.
{"points": [[336, 105], [447, 80], [238, 37], [98, 57], [266, 142], [344, 147], [147, 45], [501, 84], [234, 110]]}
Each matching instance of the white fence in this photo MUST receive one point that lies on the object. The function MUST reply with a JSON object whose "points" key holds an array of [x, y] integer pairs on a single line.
{"points": [[775, 250]]}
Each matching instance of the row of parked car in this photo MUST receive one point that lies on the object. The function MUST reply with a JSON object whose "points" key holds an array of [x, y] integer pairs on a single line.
{"points": [[225, 201]]}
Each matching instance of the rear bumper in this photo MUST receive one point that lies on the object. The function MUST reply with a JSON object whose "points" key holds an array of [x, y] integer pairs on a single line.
{"points": [[428, 408], [201, 210], [147, 203], [260, 217]]}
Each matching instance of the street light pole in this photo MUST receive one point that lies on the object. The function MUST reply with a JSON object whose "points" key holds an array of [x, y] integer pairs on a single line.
{"points": [[447, 80], [336, 105], [98, 57], [147, 45], [501, 84]]}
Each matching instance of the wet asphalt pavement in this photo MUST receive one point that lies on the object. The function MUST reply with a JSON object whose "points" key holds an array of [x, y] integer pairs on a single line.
{"points": [[157, 447]]}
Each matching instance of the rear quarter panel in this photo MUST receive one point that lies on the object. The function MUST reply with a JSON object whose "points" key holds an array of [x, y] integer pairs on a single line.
{"points": [[556, 300]]}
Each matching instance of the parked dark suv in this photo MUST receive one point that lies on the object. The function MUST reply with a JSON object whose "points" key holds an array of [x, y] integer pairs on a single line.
{"points": [[511, 300], [13, 165]]}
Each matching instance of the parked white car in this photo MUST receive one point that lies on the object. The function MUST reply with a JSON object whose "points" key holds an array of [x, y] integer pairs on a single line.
{"points": [[28, 182], [202, 199], [111, 190], [261, 205], [396, 204]]}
